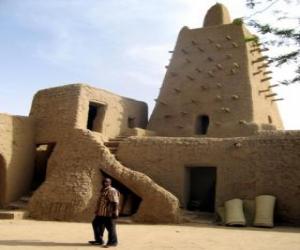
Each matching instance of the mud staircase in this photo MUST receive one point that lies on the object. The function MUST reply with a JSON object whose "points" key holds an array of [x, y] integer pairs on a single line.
{"points": [[16, 210], [114, 143]]}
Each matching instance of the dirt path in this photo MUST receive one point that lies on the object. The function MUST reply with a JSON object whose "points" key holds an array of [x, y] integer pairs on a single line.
{"points": [[28, 234]]}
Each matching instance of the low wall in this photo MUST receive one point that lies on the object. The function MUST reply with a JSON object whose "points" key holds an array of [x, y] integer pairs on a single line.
{"points": [[17, 156], [265, 164]]}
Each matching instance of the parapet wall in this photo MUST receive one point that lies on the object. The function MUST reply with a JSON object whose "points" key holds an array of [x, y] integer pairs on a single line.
{"points": [[16, 157], [246, 166], [117, 111], [57, 110]]}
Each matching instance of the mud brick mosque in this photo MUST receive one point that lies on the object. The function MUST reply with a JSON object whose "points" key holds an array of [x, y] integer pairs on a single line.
{"points": [[215, 134]]}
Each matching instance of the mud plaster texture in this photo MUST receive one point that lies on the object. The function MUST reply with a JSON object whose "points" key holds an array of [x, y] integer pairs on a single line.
{"points": [[215, 72], [57, 110], [16, 156], [246, 167], [73, 183], [212, 72]]}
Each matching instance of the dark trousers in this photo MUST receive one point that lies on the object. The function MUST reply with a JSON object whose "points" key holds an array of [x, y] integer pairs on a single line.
{"points": [[100, 223]]}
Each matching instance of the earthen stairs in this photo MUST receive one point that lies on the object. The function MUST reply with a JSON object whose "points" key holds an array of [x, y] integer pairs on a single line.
{"points": [[17, 209], [114, 143], [186, 216]]}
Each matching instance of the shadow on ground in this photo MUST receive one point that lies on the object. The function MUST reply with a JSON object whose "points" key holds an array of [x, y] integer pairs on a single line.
{"points": [[39, 243]]}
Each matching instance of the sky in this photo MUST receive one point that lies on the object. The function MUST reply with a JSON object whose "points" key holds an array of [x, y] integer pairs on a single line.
{"points": [[118, 45]]}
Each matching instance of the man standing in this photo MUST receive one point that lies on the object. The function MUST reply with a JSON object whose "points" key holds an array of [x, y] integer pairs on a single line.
{"points": [[106, 214]]}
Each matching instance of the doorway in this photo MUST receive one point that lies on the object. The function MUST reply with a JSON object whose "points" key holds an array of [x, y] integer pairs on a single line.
{"points": [[131, 122], [2, 181], [201, 188], [96, 115], [129, 201], [202, 123], [42, 155]]}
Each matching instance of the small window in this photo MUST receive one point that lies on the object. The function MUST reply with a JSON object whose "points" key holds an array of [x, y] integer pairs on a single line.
{"points": [[202, 124], [131, 122], [270, 119], [96, 116]]}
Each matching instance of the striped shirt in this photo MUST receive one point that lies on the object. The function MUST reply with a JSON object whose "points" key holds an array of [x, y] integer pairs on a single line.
{"points": [[108, 197]]}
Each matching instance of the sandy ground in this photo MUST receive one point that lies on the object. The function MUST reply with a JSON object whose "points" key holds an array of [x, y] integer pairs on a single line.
{"points": [[27, 234]]}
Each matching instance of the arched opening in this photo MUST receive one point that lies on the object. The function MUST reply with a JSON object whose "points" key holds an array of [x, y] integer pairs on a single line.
{"points": [[2, 181], [129, 201], [202, 124]]}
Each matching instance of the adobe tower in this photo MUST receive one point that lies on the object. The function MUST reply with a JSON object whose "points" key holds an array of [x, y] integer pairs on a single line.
{"points": [[217, 83]]}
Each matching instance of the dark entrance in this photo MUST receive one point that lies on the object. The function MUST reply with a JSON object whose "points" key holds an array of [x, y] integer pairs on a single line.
{"points": [[96, 116], [2, 181], [131, 122], [129, 201], [201, 188], [202, 124], [42, 155]]}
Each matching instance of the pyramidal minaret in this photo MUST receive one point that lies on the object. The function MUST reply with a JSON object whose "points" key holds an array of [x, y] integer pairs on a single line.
{"points": [[217, 83]]}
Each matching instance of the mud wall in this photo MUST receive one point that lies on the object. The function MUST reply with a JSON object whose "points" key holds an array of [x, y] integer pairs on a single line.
{"points": [[17, 157], [73, 183], [210, 73], [58, 110], [246, 167], [118, 110], [55, 111]]}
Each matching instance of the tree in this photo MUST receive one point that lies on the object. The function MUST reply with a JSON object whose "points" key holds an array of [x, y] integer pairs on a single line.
{"points": [[277, 34]]}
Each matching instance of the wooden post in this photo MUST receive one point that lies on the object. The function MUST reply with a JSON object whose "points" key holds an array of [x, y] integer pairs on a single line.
{"points": [[266, 79], [210, 73], [184, 51], [235, 45], [260, 59], [219, 66], [276, 100], [271, 95], [257, 72], [273, 86], [177, 90], [264, 90], [190, 78], [198, 70]]}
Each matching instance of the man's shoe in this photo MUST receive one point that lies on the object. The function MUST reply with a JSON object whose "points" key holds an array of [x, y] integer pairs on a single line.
{"points": [[110, 245], [96, 242]]}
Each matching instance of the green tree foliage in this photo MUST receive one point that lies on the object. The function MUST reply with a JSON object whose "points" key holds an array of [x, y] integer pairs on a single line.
{"points": [[288, 37]]}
